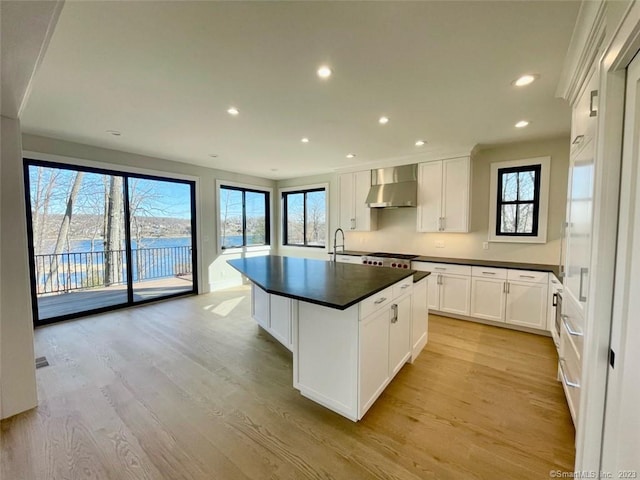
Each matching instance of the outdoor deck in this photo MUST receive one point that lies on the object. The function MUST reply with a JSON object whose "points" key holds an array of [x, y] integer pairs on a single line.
{"points": [[55, 305]]}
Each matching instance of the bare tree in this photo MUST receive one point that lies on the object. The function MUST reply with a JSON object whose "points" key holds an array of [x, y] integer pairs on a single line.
{"points": [[113, 232]]}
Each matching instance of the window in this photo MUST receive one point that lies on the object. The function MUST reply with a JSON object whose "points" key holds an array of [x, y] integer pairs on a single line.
{"points": [[519, 193], [518, 200], [304, 214], [244, 217]]}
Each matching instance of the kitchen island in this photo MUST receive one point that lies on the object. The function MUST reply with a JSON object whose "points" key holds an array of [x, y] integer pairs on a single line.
{"points": [[351, 328]]}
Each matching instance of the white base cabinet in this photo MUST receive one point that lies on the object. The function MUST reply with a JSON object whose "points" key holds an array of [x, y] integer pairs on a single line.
{"points": [[508, 296], [419, 318], [275, 314]]}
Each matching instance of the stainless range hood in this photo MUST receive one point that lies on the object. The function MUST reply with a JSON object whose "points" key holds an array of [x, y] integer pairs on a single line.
{"points": [[394, 187]]}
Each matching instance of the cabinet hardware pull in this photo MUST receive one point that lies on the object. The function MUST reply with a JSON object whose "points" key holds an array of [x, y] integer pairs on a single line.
{"points": [[439, 224], [488, 273], [444, 223], [555, 300], [439, 268], [578, 139], [353, 224], [527, 276], [567, 382], [565, 320], [379, 301], [439, 279], [583, 271], [593, 106], [508, 287], [504, 287], [406, 285], [394, 308]]}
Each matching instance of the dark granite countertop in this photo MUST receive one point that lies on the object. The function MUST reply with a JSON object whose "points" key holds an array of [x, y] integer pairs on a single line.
{"points": [[538, 267], [419, 276], [336, 285]]}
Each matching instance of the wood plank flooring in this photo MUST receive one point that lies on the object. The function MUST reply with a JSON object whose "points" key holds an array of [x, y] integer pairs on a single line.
{"points": [[193, 389]]}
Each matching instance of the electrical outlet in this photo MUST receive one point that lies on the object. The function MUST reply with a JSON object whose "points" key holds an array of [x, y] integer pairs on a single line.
{"points": [[485, 245], [439, 244]]}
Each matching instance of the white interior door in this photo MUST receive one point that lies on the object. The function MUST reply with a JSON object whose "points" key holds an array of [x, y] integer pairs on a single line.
{"points": [[622, 415]]}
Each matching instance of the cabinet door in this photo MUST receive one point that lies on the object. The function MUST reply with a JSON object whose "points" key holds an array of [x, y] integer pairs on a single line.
{"points": [[527, 304], [455, 195], [347, 214], [281, 319], [373, 357], [365, 217], [260, 309], [488, 298], [455, 294], [433, 291], [419, 318], [429, 196], [580, 198], [400, 334]]}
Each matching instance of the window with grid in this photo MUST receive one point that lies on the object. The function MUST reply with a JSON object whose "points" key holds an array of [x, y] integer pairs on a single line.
{"points": [[304, 218], [518, 201]]}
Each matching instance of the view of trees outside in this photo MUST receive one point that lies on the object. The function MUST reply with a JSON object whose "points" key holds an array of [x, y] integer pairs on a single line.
{"points": [[78, 225], [315, 221], [233, 209], [518, 187]]}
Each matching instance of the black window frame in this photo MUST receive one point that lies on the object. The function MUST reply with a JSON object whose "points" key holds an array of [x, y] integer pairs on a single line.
{"points": [[285, 232], [537, 169], [267, 220]]}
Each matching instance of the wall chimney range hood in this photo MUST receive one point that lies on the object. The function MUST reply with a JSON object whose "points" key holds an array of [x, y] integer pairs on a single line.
{"points": [[394, 187]]}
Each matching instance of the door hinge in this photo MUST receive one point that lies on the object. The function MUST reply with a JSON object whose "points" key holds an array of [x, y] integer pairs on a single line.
{"points": [[612, 358]]}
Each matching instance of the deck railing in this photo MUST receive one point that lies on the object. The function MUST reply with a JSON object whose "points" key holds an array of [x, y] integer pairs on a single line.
{"points": [[57, 273]]}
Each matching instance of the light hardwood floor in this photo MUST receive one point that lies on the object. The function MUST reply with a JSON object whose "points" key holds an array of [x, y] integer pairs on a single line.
{"points": [[193, 389]]}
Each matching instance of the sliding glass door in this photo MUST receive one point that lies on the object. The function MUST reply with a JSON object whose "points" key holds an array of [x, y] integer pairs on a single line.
{"points": [[102, 239]]}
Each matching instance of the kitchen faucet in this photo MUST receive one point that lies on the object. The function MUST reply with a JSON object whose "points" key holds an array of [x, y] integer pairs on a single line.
{"points": [[335, 239]]}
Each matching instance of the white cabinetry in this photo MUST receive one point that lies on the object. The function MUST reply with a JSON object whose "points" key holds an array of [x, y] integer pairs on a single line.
{"points": [[400, 334], [449, 287], [274, 313], [578, 229], [373, 357], [443, 195], [419, 318], [488, 293], [355, 215], [527, 304]]}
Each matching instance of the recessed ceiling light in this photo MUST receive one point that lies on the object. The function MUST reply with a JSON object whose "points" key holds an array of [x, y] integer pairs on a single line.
{"points": [[274, 169], [522, 124], [420, 143], [115, 133], [383, 120], [213, 155], [305, 140], [351, 155], [524, 80], [233, 111], [324, 72]]}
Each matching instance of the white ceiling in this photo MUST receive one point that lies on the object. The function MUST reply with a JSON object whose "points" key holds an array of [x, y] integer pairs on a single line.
{"points": [[164, 74]]}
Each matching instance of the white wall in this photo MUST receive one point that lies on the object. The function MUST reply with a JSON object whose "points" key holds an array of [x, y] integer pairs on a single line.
{"points": [[397, 227], [212, 267], [17, 365]]}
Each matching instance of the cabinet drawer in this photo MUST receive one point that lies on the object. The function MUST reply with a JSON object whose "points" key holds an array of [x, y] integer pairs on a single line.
{"points": [[442, 268], [489, 272], [348, 259], [573, 324], [528, 276], [570, 372], [376, 302], [402, 287]]}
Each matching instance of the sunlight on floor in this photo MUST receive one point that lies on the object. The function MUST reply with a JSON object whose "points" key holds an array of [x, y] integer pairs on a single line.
{"points": [[226, 307]]}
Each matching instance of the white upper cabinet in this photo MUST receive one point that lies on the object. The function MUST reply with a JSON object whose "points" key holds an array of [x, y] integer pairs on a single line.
{"points": [[578, 228], [355, 215], [443, 195]]}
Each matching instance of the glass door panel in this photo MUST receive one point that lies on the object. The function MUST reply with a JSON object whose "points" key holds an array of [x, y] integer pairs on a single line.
{"points": [[161, 227], [79, 258]]}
